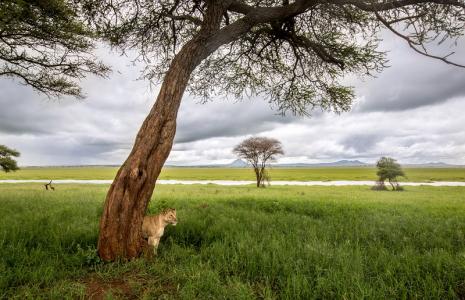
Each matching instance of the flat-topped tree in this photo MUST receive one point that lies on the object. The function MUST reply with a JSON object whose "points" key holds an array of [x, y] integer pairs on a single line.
{"points": [[44, 44], [292, 53], [259, 152]]}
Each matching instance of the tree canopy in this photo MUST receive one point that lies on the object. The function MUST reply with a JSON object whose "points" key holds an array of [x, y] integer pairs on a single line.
{"points": [[7, 163], [46, 45], [296, 54]]}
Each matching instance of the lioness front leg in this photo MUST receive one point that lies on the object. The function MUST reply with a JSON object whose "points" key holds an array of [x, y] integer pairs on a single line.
{"points": [[153, 241]]}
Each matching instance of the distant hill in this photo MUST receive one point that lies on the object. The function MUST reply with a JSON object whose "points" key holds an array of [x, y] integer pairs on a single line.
{"points": [[239, 163], [432, 165], [339, 163]]}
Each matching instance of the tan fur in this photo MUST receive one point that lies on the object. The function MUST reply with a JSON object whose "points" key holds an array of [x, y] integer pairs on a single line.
{"points": [[153, 227]]}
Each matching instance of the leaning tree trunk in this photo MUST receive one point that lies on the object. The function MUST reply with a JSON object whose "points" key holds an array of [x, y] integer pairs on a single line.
{"points": [[128, 197], [392, 185]]}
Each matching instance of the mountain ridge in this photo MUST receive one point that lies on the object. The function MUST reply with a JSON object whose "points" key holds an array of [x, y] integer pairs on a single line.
{"points": [[239, 163]]}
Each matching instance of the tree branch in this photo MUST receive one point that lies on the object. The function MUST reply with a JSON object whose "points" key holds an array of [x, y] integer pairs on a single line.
{"points": [[389, 5], [192, 19], [255, 16], [413, 43]]}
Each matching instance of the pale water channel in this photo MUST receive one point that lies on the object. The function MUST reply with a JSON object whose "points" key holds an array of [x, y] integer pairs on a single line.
{"points": [[244, 182]]}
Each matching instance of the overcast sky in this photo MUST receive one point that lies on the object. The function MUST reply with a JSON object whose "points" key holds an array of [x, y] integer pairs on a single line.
{"points": [[413, 111]]}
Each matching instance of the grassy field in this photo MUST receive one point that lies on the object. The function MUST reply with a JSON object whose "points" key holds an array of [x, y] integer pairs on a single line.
{"points": [[241, 243], [301, 174]]}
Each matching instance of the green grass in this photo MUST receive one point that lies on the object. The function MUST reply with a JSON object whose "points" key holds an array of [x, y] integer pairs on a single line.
{"points": [[243, 243], [301, 174]]}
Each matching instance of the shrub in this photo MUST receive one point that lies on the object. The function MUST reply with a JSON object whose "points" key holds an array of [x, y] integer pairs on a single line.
{"points": [[379, 186]]}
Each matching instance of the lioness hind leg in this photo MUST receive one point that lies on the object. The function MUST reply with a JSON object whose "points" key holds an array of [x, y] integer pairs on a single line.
{"points": [[148, 251]]}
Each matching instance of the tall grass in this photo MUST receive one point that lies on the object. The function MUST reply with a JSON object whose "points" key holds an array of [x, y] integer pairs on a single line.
{"points": [[244, 243]]}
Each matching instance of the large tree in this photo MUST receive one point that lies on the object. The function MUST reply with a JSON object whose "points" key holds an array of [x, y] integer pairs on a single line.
{"points": [[259, 151], [44, 44], [295, 54]]}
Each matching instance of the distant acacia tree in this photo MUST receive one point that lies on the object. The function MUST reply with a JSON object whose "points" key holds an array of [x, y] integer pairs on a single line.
{"points": [[259, 151], [46, 45], [389, 169], [7, 163]]}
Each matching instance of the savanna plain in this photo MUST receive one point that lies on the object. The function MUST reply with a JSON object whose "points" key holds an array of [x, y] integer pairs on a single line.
{"points": [[189, 173], [240, 242]]}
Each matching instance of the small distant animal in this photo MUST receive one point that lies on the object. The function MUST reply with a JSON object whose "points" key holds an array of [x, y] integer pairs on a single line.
{"points": [[49, 185], [153, 227]]}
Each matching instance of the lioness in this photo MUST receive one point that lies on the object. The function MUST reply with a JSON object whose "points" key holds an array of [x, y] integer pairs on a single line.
{"points": [[153, 227]]}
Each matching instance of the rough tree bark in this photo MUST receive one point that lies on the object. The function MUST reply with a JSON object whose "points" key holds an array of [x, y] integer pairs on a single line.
{"points": [[258, 176], [127, 199], [260, 172]]}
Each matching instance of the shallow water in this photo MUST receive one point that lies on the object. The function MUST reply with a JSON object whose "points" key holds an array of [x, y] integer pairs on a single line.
{"points": [[244, 182]]}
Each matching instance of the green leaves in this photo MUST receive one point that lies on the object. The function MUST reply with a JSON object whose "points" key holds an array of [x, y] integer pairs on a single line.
{"points": [[46, 45], [388, 169], [7, 163]]}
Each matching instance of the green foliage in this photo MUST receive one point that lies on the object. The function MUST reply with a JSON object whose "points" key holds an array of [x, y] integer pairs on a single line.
{"points": [[241, 243], [46, 45], [399, 188], [389, 169], [7, 163]]}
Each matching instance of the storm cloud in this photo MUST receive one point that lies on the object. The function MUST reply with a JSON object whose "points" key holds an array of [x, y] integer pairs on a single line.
{"points": [[413, 80], [223, 118]]}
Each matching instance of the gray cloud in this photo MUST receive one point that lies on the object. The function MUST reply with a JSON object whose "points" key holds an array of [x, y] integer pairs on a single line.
{"points": [[224, 118], [361, 143], [413, 80], [412, 111], [17, 116]]}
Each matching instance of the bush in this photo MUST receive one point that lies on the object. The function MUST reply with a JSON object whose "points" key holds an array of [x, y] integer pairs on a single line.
{"points": [[399, 188], [379, 186]]}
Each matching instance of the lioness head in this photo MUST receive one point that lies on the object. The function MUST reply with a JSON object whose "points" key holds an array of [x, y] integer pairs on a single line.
{"points": [[170, 216]]}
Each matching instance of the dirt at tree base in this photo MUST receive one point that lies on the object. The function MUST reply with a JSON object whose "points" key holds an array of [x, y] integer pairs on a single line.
{"points": [[98, 288], [128, 286]]}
